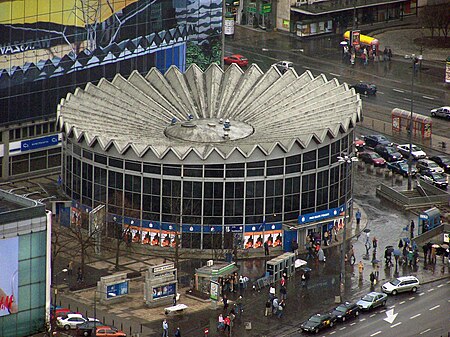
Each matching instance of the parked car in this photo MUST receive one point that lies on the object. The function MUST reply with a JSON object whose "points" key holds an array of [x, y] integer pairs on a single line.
{"points": [[428, 165], [372, 300], [373, 158], [58, 312], [416, 151], [437, 179], [87, 328], [345, 311], [441, 112], [443, 161], [401, 284], [284, 66], [70, 321], [107, 331], [365, 88], [401, 167], [359, 144], [318, 322], [389, 153], [374, 140], [240, 60]]}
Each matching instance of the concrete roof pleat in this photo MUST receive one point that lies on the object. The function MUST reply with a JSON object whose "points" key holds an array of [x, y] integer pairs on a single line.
{"points": [[282, 110]]}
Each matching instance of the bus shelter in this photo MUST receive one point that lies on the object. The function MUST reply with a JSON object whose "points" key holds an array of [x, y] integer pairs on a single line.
{"points": [[421, 124], [364, 40]]}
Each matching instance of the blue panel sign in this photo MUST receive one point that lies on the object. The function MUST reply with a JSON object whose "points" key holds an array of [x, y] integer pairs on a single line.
{"points": [[164, 291], [234, 229], [192, 229], [272, 226], [118, 289], [317, 216], [38, 143]]}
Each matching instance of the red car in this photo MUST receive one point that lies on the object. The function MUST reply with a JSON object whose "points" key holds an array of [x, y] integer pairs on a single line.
{"points": [[236, 58], [373, 158], [107, 331]]}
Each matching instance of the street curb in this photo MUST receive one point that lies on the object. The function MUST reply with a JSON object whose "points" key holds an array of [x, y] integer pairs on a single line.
{"points": [[436, 279]]}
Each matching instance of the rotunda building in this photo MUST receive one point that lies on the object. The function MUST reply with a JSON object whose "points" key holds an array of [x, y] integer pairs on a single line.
{"points": [[224, 158]]}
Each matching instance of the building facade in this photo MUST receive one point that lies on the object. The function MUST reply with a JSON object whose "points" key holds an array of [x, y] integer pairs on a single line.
{"points": [[25, 265], [49, 48], [222, 158]]}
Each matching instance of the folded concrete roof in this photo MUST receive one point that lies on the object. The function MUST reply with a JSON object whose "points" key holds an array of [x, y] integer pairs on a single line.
{"points": [[185, 112]]}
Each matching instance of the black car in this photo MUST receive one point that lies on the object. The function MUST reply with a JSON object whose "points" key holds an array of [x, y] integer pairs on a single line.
{"points": [[345, 311], [365, 88], [87, 329], [442, 161], [401, 167], [318, 322], [435, 178], [389, 153], [374, 140]]}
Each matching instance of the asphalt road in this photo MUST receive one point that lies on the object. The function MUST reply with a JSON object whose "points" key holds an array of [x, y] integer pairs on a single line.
{"points": [[425, 313], [393, 79]]}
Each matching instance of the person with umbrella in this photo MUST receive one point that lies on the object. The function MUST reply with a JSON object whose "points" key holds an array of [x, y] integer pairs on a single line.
{"points": [[388, 256], [397, 254]]}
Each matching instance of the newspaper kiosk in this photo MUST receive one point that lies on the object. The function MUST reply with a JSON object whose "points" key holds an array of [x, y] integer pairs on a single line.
{"points": [[276, 266]]}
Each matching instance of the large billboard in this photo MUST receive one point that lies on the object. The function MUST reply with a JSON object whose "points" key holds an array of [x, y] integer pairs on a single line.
{"points": [[50, 47], [9, 282]]}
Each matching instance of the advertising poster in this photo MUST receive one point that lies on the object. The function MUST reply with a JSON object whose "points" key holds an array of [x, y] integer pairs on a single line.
{"points": [[168, 238], [76, 217], [274, 238], [117, 289], [253, 240], [9, 276], [164, 291], [150, 236]]}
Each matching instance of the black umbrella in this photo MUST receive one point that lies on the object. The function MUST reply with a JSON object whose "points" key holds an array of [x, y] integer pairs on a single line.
{"points": [[389, 249], [366, 230]]}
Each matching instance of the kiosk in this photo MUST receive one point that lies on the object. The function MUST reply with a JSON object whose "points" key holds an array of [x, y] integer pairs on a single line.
{"points": [[160, 284], [212, 272], [276, 266], [429, 219]]}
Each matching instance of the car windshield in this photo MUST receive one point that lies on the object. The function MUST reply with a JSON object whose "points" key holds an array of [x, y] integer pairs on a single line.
{"points": [[391, 150], [403, 166], [415, 148], [315, 319], [341, 308], [438, 176], [395, 282], [374, 156], [432, 164], [445, 160], [368, 298]]}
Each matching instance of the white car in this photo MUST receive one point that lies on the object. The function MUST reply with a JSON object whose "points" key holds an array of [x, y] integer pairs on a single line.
{"points": [[284, 66], [401, 284], [441, 112], [416, 151], [428, 165], [71, 321]]}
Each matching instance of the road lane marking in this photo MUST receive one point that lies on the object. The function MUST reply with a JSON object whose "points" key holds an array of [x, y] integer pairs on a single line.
{"points": [[333, 74], [412, 317], [381, 311], [380, 92], [421, 294], [372, 315], [435, 307], [430, 289], [362, 319], [407, 99], [332, 332], [393, 326], [305, 67], [447, 282], [441, 285], [398, 90], [375, 333], [425, 331], [352, 323], [343, 328], [402, 302], [390, 102], [411, 298], [428, 97], [392, 306]]}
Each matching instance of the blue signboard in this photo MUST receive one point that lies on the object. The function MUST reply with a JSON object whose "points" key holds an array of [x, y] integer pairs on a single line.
{"points": [[317, 216], [192, 228], [164, 291], [38, 143], [118, 289]]}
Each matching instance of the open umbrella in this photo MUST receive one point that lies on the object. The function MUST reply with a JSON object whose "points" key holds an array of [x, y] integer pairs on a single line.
{"points": [[389, 249], [445, 246], [374, 261], [397, 252], [366, 230], [300, 263], [407, 241], [435, 245], [343, 43]]}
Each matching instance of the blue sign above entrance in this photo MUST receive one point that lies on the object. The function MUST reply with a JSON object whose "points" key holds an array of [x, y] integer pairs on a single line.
{"points": [[38, 143], [317, 216]]}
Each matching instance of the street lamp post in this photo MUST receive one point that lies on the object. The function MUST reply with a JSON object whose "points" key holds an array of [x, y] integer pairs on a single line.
{"points": [[55, 290], [347, 160], [414, 60]]}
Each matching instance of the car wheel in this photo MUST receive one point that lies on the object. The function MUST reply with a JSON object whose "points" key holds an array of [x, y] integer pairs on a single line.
{"points": [[331, 324], [414, 289], [86, 334], [365, 92], [356, 313], [343, 318], [394, 292], [384, 303], [433, 114], [66, 327], [316, 331]]}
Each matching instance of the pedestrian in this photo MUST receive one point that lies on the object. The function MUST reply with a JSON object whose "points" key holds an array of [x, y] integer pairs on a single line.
{"points": [[372, 279], [79, 275], [377, 270], [283, 293], [275, 306], [178, 333], [400, 244], [411, 228], [303, 282], [374, 243], [358, 217], [325, 238], [433, 255], [294, 247], [360, 269], [367, 245], [174, 300], [271, 292], [385, 54], [220, 323], [165, 327], [283, 281], [268, 307], [425, 253], [70, 268], [280, 309], [351, 253], [389, 54], [241, 285], [227, 323], [225, 302], [266, 248], [239, 306]]}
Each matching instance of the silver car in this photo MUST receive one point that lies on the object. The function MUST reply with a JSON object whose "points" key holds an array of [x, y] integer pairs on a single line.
{"points": [[401, 284], [372, 300]]}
